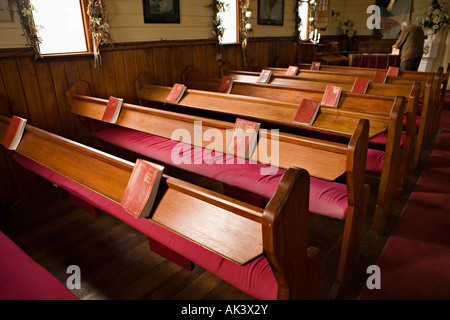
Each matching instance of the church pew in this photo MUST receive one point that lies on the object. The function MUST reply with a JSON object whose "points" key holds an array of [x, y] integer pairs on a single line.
{"points": [[440, 80], [264, 252], [330, 120], [427, 92], [438, 89], [345, 202], [313, 89]]}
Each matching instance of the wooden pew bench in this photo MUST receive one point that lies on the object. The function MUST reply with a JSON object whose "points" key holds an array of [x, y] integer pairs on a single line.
{"points": [[425, 108], [313, 89], [148, 131], [429, 106], [329, 120], [22, 278], [263, 252]]}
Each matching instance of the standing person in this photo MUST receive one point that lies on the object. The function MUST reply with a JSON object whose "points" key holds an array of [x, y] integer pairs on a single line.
{"points": [[410, 42]]}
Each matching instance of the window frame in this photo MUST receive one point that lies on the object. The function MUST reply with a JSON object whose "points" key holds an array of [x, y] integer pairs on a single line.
{"points": [[238, 25], [307, 2], [89, 46]]}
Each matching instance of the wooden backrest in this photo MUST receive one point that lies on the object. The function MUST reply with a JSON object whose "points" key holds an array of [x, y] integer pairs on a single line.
{"points": [[295, 91], [335, 77], [280, 113], [233, 229], [362, 70]]}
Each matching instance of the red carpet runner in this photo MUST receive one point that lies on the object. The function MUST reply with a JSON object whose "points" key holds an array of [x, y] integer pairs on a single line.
{"points": [[415, 263]]}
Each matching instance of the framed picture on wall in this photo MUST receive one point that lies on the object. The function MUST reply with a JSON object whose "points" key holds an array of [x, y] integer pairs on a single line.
{"points": [[5, 15], [161, 11], [271, 12]]}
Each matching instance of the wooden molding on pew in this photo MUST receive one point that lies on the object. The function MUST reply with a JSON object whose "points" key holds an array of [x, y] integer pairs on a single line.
{"points": [[280, 231], [294, 151], [329, 120]]}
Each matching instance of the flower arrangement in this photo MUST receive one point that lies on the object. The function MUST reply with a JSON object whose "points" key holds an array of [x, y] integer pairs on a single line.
{"points": [[435, 18], [347, 28], [98, 27], [25, 9], [246, 27], [218, 29]]}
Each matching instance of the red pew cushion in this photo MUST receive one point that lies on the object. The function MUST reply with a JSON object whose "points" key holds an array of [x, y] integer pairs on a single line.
{"points": [[22, 278], [375, 160], [381, 139], [326, 198]]}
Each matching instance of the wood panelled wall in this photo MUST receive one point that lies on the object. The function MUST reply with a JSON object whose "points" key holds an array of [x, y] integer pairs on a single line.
{"points": [[35, 89]]}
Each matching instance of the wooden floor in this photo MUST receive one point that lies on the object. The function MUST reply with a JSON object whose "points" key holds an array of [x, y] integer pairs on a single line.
{"points": [[116, 263]]}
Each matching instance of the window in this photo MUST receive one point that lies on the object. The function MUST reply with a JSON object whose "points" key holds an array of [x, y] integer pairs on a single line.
{"points": [[229, 21], [303, 13], [61, 26]]}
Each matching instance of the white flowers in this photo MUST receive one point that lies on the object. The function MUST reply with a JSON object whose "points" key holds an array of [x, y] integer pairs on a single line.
{"points": [[435, 18], [347, 28]]}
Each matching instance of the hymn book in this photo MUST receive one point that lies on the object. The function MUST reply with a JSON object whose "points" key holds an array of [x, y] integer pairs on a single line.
{"points": [[176, 93], [393, 71], [112, 109], [226, 84], [360, 85], [243, 140], [292, 71], [140, 193], [306, 112], [264, 77], [315, 65], [14, 133], [331, 96], [379, 77]]}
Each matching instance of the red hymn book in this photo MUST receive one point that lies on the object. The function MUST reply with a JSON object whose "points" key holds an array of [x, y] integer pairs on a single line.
{"points": [[393, 71], [14, 133], [112, 109], [226, 84], [379, 77], [264, 77], [306, 112], [331, 96], [292, 71], [315, 65], [360, 85], [243, 140], [140, 193], [176, 93]]}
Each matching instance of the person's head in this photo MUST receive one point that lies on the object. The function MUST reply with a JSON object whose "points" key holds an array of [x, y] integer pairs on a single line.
{"points": [[405, 24]]}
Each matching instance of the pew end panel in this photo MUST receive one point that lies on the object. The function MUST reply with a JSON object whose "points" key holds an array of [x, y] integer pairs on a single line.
{"points": [[284, 246], [389, 179]]}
